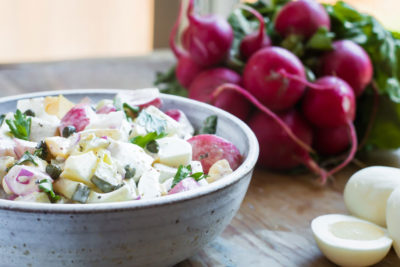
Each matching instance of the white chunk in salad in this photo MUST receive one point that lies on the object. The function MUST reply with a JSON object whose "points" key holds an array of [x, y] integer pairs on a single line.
{"points": [[56, 151]]}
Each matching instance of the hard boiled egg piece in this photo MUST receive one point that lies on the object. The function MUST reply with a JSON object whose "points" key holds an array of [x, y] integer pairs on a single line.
{"points": [[367, 191], [393, 219], [349, 241]]}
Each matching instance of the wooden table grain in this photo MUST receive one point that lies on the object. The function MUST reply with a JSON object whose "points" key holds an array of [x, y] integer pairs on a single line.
{"points": [[272, 227]]}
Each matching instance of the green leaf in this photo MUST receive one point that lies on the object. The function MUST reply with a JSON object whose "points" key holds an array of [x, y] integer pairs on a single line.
{"points": [[209, 125], [2, 117], [199, 175], [182, 173], [46, 186], [21, 125], [26, 157], [130, 112], [142, 141], [168, 84], [151, 123], [321, 40]]}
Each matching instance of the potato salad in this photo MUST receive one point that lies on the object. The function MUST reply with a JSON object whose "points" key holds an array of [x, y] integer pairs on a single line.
{"points": [[55, 151]]}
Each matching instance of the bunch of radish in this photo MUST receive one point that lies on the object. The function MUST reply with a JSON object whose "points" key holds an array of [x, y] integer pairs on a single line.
{"points": [[294, 119]]}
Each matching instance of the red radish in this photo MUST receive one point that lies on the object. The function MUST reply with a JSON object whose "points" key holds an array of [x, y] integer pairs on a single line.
{"points": [[302, 17], [184, 185], [261, 78], [22, 180], [331, 104], [209, 38], [186, 69], [277, 149], [207, 81], [350, 62], [254, 41], [78, 116], [21, 146], [331, 141], [208, 149]]}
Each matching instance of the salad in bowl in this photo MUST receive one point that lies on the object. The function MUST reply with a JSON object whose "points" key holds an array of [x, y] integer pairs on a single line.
{"points": [[123, 149]]}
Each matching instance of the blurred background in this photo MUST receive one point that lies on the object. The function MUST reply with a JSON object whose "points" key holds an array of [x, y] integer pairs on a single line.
{"points": [[46, 30]]}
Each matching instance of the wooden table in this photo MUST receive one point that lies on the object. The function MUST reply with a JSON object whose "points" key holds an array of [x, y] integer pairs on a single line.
{"points": [[272, 227]]}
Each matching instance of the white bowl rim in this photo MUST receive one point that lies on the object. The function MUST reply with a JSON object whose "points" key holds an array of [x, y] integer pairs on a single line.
{"points": [[244, 169]]}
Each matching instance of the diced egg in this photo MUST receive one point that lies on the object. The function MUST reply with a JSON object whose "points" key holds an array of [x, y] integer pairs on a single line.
{"points": [[172, 126], [367, 191], [349, 241], [59, 147], [80, 168], [37, 105], [196, 166], [166, 172], [112, 120], [65, 187], [121, 194], [57, 105], [41, 128], [34, 197], [174, 151], [132, 155], [393, 219], [149, 186], [167, 185]]}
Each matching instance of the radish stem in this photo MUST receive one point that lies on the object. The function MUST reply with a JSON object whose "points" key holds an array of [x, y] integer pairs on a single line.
{"points": [[172, 42], [252, 99]]}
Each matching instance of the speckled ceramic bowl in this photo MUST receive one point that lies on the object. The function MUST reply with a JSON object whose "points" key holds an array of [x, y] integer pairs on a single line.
{"points": [[156, 232]]}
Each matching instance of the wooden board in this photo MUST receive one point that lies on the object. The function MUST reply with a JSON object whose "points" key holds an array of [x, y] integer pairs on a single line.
{"points": [[272, 227]]}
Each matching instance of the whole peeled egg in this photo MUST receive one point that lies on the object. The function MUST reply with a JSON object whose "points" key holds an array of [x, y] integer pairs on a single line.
{"points": [[349, 241], [368, 190]]}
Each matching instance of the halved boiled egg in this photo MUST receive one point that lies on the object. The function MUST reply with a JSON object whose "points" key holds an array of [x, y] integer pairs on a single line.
{"points": [[349, 241]]}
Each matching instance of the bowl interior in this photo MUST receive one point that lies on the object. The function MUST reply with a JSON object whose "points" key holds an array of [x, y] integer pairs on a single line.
{"points": [[229, 127]]}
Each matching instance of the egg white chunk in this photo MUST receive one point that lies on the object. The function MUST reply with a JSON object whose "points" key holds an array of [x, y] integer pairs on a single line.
{"points": [[174, 151], [349, 241], [393, 219], [367, 191]]}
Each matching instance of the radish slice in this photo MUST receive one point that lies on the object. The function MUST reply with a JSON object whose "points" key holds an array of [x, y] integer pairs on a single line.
{"points": [[140, 98], [184, 185], [21, 180], [208, 149], [106, 109], [79, 117], [21, 146], [174, 113]]}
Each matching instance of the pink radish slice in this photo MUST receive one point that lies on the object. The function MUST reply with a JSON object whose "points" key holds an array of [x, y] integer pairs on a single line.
{"points": [[21, 146], [184, 185], [208, 149], [140, 98], [174, 113], [262, 79], [302, 17], [79, 117], [7, 148], [21, 180], [106, 109]]}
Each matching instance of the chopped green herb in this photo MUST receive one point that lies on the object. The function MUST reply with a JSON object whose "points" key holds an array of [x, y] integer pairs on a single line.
{"points": [[20, 126], [67, 131], [29, 112], [129, 172], [151, 123], [53, 171], [104, 185], [46, 186], [2, 117], [130, 112], [81, 193], [209, 125], [26, 157], [185, 172], [182, 173], [142, 141]]}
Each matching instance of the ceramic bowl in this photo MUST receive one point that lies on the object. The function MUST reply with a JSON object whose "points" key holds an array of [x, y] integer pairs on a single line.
{"points": [[155, 232]]}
